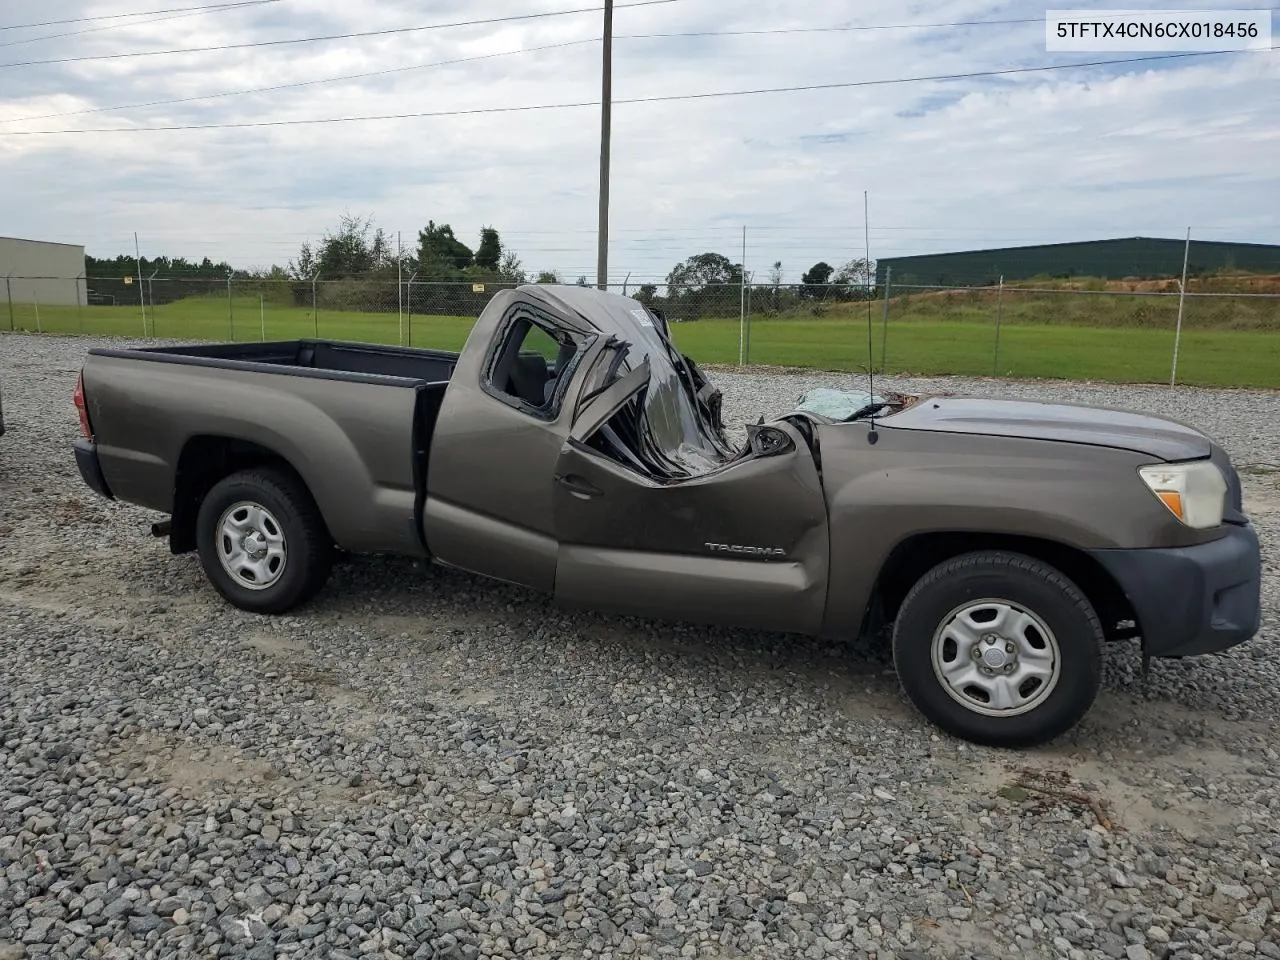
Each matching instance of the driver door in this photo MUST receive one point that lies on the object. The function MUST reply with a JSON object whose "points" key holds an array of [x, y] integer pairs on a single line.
{"points": [[745, 544], [506, 414]]}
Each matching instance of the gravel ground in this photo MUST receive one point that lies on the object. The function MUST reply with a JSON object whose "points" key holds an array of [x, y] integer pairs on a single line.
{"points": [[425, 764]]}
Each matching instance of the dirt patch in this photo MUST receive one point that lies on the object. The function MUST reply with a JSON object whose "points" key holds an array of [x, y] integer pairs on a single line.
{"points": [[472, 698], [1097, 793], [1259, 499], [960, 938], [353, 715], [275, 644], [203, 771], [51, 601]]}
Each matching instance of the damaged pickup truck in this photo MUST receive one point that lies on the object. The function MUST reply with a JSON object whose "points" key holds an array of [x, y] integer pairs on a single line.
{"points": [[571, 448]]}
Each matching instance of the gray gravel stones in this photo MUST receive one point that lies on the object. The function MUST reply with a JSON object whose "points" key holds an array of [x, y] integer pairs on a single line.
{"points": [[422, 764]]}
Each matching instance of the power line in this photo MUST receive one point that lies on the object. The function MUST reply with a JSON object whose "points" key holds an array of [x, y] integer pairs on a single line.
{"points": [[667, 98], [853, 28], [136, 23], [440, 63], [842, 29], [137, 13], [305, 83], [335, 36]]}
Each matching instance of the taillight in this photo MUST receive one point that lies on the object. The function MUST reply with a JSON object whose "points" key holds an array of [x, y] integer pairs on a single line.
{"points": [[78, 398]]}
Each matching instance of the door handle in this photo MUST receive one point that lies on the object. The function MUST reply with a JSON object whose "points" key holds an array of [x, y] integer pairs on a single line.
{"points": [[580, 487]]}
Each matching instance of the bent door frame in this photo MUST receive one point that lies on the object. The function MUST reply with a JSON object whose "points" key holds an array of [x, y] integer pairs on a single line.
{"points": [[631, 544], [480, 512]]}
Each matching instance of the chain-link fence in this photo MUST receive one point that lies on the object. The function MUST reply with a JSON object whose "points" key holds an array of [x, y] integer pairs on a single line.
{"points": [[1220, 330]]}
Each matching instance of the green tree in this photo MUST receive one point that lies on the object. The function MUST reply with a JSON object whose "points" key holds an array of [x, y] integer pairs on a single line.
{"points": [[704, 270], [441, 255], [819, 273], [511, 270], [707, 284], [489, 253], [855, 279], [348, 251], [814, 280], [548, 276]]}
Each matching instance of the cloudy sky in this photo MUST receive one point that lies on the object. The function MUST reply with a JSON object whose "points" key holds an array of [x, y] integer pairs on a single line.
{"points": [[1082, 153]]}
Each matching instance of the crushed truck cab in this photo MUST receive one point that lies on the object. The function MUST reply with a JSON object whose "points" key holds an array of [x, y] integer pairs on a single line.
{"points": [[569, 447]]}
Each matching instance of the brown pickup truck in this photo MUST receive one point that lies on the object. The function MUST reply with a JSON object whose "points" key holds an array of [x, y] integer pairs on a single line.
{"points": [[571, 448]]}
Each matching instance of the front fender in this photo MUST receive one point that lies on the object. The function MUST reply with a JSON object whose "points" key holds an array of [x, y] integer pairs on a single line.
{"points": [[914, 482]]}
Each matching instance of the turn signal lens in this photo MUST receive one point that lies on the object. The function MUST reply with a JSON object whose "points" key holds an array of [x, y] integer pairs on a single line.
{"points": [[1195, 493], [77, 397]]}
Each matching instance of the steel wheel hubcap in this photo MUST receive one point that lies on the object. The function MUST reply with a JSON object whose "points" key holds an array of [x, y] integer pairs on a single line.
{"points": [[251, 545], [996, 658]]}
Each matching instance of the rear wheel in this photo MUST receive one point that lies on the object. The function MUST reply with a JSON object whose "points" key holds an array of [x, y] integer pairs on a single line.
{"points": [[262, 541], [999, 648]]}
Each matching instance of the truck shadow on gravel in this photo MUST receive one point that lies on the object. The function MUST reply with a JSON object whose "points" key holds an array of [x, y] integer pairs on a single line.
{"points": [[1149, 715]]}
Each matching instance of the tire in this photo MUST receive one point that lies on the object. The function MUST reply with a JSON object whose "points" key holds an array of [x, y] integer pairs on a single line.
{"points": [[1048, 635], [285, 552]]}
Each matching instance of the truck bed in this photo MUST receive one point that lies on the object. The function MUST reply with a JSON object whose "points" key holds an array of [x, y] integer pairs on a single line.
{"points": [[316, 357], [353, 420]]}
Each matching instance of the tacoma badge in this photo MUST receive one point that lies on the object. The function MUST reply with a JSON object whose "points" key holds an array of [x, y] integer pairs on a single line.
{"points": [[739, 548]]}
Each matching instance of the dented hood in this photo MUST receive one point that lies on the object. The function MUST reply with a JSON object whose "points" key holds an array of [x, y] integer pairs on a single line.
{"points": [[1062, 422]]}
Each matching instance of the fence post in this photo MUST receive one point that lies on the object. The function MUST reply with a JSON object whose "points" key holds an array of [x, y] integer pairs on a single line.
{"points": [[79, 305], [995, 363], [884, 323], [35, 300], [315, 305], [748, 345], [742, 308], [400, 285], [151, 294], [262, 317], [142, 298], [1182, 296], [8, 286], [409, 310]]}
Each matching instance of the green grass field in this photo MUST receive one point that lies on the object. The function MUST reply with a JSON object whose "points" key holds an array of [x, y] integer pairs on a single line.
{"points": [[918, 342]]}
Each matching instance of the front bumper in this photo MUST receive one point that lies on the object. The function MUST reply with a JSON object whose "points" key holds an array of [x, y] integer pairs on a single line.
{"points": [[1192, 600], [90, 468]]}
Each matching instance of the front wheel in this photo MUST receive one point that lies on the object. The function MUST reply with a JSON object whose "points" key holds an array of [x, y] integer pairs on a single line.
{"points": [[999, 648], [262, 541]]}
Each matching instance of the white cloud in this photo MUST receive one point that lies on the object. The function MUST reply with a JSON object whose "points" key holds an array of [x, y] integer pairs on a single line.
{"points": [[1036, 157]]}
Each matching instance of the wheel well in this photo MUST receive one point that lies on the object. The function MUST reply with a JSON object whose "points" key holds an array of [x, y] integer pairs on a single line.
{"points": [[203, 462], [915, 556]]}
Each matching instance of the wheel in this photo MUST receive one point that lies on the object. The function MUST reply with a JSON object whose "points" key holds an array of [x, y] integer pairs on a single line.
{"points": [[999, 648], [262, 541]]}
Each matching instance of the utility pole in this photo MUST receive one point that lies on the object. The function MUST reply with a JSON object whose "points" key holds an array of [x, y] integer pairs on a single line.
{"points": [[142, 300], [1182, 297], [606, 119]]}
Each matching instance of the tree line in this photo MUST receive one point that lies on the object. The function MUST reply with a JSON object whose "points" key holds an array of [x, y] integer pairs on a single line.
{"points": [[356, 265], [712, 285]]}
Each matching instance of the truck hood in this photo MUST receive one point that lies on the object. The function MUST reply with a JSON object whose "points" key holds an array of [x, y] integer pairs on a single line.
{"points": [[1063, 422]]}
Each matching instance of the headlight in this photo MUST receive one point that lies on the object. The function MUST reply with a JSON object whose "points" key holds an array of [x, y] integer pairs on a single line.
{"points": [[1195, 493]]}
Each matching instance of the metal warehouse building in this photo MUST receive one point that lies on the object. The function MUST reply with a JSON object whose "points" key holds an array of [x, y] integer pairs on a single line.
{"points": [[35, 271], [1147, 257]]}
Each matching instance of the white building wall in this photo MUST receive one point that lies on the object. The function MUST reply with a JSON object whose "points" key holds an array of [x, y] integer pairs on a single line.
{"points": [[34, 271]]}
